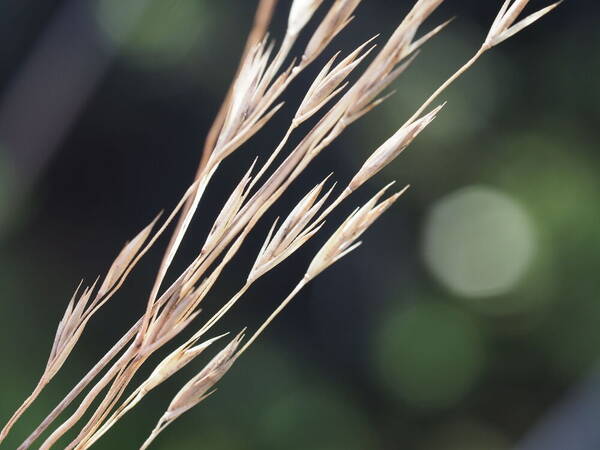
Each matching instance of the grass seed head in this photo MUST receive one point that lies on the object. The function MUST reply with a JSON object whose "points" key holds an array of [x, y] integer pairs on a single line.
{"points": [[391, 148], [337, 18], [504, 25], [292, 234], [344, 239], [300, 13], [199, 386]]}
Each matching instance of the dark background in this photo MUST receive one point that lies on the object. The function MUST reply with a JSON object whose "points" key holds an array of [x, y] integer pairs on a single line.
{"points": [[470, 317]]}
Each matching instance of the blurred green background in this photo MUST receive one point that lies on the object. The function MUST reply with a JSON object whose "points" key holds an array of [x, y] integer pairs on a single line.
{"points": [[469, 320]]}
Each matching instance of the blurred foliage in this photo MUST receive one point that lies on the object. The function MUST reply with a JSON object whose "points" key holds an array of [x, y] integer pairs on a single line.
{"points": [[154, 32], [446, 364]]}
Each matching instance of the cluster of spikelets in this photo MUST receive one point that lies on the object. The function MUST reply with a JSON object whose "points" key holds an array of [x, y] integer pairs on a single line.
{"points": [[251, 102]]}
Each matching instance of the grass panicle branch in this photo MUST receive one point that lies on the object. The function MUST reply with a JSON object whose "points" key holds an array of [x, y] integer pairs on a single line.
{"points": [[264, 74]]}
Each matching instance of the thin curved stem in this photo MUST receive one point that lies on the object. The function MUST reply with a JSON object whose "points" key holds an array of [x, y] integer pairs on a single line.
{"points": [[26, 404], [155, 432], [447, 83], [274, 314], [88, 399], [79, 387]]}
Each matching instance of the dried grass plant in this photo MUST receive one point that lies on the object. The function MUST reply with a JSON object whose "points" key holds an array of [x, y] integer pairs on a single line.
{"points": [[263, 75]]}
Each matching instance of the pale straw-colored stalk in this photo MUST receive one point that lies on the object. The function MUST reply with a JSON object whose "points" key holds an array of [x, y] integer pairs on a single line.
{"points": [[251, 102]]}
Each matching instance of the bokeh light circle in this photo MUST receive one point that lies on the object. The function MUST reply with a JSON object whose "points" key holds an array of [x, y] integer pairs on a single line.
{"points": [[429, 355], [478, 242]]}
